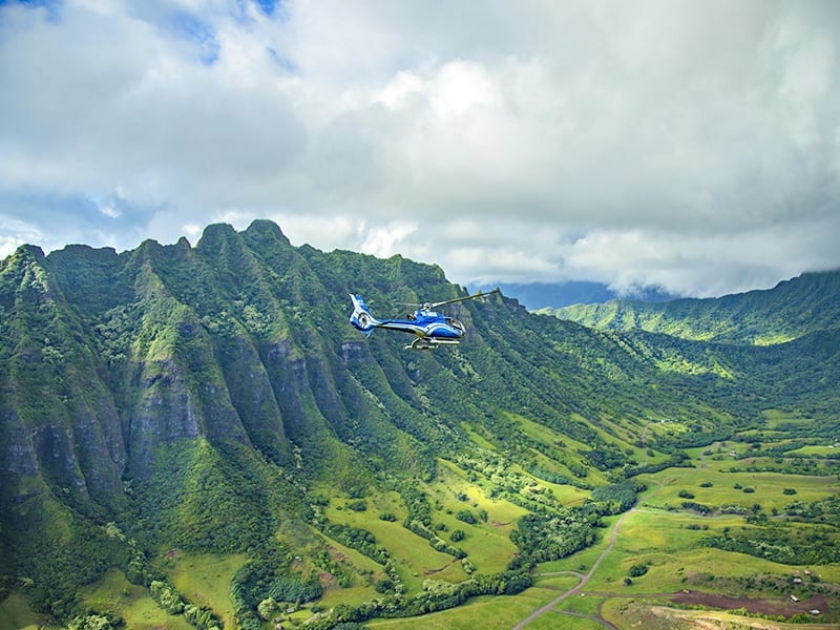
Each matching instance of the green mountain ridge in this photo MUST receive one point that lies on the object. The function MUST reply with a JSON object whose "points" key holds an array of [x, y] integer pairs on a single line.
{"points": [[793, 308], [215, 399]]}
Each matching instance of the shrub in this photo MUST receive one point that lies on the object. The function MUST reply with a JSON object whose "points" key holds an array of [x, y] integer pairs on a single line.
{"points": [[383, 586], [638, 570]]}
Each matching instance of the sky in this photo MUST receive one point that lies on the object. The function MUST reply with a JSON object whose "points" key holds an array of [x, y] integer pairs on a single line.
{"points": [[691, 145]]}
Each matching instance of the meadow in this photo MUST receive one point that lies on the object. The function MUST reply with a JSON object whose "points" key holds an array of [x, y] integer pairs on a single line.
{"points": [[724, 489], [117, 596]]}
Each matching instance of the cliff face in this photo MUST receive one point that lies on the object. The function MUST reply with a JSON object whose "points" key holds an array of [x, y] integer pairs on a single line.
{"points": [[107, 359], [59, 419]]}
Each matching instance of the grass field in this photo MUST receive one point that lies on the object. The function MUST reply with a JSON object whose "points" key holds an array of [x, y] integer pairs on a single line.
{"points": [[666, 538], [487, 544], [15, 613], [488, 613], [414, 558], [660, 533], [767, 487], [204, 580], [116, 595]]}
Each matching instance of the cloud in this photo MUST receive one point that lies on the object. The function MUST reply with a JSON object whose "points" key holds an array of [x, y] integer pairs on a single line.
{"points": [[690, 145]]}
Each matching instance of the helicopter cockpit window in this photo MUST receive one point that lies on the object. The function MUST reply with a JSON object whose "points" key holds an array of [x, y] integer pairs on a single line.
{"points": [[455, 323]]}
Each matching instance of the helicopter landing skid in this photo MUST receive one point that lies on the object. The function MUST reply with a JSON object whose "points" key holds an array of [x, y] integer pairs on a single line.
{"points": [[422, 343]]}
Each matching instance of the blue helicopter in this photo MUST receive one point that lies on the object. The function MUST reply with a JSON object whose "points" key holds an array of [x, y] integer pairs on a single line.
{"points": [[431, 329]]}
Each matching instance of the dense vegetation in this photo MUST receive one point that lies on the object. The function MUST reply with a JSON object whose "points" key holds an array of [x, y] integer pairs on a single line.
{"points": [[213, 399], [793, 309]]}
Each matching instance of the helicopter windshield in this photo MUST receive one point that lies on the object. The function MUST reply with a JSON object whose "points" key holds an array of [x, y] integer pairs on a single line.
{"points": [[455, 323]]}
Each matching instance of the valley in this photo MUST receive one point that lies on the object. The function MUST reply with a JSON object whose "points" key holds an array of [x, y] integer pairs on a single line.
{"points": [[686, 581], [195, 437]]}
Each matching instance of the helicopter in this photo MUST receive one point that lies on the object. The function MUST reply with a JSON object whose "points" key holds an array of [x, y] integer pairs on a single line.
{"points": [[430, 328]]}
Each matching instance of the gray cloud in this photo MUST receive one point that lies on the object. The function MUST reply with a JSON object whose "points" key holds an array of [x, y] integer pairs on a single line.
{"points": [[691, 145]]}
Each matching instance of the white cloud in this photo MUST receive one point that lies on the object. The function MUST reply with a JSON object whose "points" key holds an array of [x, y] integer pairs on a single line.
{"points": [[8, 244], [693, 145]]}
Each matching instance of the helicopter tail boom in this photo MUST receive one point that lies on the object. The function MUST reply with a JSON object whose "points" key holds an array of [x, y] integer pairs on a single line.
{"points": [[362, 319]]}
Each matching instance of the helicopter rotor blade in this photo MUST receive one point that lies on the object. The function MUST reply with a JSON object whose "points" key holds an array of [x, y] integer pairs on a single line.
{"points": [[464, 298]]}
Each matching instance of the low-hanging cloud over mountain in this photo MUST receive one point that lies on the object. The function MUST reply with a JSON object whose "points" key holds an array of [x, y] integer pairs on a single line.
{"points": [[690, 145]]}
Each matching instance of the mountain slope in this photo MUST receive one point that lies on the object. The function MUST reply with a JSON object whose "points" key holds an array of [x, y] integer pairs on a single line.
{"points": [[213, 398], [790, 310]]}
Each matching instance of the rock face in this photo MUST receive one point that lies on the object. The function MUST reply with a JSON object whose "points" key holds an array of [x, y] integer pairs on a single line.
{"points": [[107, 357], [241, 342]]}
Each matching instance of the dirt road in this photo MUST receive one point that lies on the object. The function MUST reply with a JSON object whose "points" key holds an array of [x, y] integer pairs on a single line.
{"points": [[549, 607]]}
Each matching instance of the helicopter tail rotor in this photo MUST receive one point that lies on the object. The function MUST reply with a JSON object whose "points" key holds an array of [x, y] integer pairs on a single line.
{"points": [[361, 318]]}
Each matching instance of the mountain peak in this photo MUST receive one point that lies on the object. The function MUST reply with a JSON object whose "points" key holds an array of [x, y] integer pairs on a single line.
{"points": [[265, 229], [27, 251]]}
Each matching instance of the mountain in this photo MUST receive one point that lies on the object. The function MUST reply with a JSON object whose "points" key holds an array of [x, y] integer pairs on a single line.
{"points": [[553, 295], [215, 399], [792, 309]]}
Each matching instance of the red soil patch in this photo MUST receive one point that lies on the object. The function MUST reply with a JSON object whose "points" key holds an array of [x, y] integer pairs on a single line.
{"points": [[327, 579], [783, 607]]}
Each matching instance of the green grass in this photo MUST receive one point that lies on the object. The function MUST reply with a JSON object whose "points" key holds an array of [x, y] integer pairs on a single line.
{"points": [[205, 579], [768, 487], [487, 544], [476, 437], [414, 558], [658, 533], [116, 595], [555, 620], [820, 450], [16, 613], [580, 562], [488, 613], [581, 604], [558, 583], [352, 596]]}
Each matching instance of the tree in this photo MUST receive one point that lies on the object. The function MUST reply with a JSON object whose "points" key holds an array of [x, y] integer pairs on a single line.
{"points": [[266, 608]]}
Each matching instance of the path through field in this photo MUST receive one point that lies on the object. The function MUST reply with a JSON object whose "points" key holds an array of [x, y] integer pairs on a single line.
{"points": [[549, 607]]}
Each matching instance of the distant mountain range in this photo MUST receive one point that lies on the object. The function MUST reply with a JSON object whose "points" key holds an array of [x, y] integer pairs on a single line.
{"points": [[793, 308], [215, 399], [540, 295]]}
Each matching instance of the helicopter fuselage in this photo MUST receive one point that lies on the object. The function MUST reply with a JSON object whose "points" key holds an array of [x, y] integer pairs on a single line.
{"points": [[431, 328]]}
